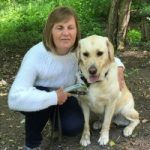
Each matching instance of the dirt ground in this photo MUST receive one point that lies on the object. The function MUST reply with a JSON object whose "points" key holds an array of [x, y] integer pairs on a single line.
{"points": [[138, 80]]}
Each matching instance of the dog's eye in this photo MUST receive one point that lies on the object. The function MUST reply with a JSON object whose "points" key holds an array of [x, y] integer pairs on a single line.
{"points": [[86, 54], [99, 53]]}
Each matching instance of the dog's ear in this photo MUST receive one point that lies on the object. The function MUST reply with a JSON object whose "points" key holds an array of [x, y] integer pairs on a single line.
{"points": [[78, 52], [110, 50]]}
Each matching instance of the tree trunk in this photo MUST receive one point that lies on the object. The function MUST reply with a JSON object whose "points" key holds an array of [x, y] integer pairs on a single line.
{"points": [[123, 20], [118, 20], [113, 22], [145, 28]]}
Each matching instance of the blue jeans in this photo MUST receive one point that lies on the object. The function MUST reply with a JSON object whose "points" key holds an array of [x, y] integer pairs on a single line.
{"points": [[71, 116]]}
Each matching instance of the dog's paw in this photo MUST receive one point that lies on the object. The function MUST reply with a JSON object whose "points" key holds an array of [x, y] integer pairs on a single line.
{"points": [[127, 131], [85, 140], [97, 125], [103, 140]]}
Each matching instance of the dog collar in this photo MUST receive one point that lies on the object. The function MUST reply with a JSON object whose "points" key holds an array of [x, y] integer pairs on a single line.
{"points": [[85, 80]]}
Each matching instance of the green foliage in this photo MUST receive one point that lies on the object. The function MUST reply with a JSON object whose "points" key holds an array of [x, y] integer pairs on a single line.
{"points": [[140, 9], [22, 21], [134, 36], [91, 15], [145, 10]]}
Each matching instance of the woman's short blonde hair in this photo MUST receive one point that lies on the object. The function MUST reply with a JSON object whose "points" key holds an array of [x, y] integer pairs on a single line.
{"points": [[57, 15]]}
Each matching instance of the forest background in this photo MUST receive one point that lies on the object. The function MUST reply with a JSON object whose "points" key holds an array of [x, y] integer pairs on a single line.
{"points": [[22, 21]]}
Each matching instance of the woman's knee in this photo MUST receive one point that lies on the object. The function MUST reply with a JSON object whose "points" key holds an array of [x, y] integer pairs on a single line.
{"points": [[72, 119], [72, 126]]}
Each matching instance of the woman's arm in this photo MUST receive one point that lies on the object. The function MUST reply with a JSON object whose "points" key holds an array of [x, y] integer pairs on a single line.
{"points": [[121, 69], [23, 96]]}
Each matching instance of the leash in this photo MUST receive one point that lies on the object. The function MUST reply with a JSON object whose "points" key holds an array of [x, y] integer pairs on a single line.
{"points": [[56, 116], [78, 92], [59, 129]]}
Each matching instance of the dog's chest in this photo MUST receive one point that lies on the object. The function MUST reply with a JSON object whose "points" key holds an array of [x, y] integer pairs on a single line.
{"points": [[96, 106], [97, 102], [98, 98]]}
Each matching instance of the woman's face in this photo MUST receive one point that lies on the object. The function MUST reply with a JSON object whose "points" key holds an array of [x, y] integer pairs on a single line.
{"points": [[64, 35]]}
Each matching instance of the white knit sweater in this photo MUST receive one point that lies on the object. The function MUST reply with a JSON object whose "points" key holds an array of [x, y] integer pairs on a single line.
{"points": [[42, 68]]}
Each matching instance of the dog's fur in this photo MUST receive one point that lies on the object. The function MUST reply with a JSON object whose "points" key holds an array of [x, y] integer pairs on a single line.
{"points": [[96, 62]]}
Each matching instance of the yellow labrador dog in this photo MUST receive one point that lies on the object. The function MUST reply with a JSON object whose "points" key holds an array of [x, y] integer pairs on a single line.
{"points": [[96, 62]]}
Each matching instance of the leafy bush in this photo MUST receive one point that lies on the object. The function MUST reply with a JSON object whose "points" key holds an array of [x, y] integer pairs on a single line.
{"points": [[134, 37], [22, 21], [145, 10]]}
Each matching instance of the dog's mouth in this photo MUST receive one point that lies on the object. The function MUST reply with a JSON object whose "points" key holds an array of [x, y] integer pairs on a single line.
{"points": [[93, 78], [93, 74]]}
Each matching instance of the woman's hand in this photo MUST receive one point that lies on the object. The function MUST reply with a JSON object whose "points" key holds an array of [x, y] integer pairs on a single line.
{"points": [[62, 96], [121, 77]]}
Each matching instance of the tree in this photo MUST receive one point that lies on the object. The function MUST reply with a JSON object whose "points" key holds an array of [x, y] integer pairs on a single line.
{"points": [[145, 28], [118, 20]]}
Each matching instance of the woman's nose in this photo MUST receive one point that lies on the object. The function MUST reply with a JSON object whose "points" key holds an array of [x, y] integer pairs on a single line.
{"points": [[65, 32]]}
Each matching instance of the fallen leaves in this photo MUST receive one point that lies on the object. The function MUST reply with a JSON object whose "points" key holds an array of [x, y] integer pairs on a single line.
{"points": [[22, 121], [3, 82], [3, 87], [2, 114], [10, 64], [112, 143], [144, 121]]}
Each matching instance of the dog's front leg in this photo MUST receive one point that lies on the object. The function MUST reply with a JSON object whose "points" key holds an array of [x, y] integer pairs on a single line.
{"points": [[104, 134], [85, 139]]}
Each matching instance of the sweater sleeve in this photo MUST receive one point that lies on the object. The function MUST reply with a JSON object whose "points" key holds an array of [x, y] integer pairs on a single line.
{"points": [[119, 63], [23, 96]]}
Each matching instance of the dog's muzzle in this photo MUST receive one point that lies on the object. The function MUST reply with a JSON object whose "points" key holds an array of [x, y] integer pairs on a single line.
{"points": [[92, 70]]}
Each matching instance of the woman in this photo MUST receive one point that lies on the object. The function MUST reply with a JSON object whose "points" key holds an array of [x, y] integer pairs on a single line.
{"points": [[46, 69]]}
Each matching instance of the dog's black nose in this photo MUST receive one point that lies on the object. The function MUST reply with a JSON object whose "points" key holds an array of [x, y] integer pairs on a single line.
{"points": [[92, 70]]}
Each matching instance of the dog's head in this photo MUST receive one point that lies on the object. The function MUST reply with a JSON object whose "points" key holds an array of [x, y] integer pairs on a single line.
{"points": [[95, 54]]}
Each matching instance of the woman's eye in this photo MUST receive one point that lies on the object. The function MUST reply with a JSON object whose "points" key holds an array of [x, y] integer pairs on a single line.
{"points": [[59, 28], [70, 28]]}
